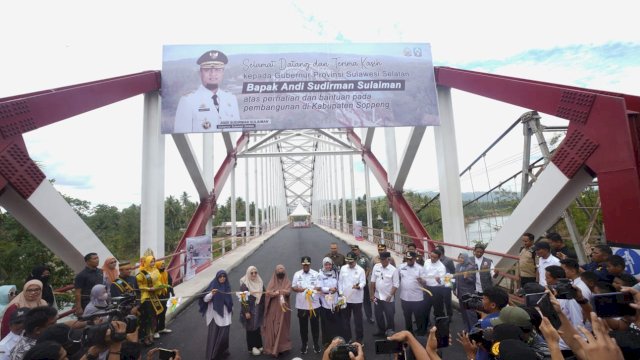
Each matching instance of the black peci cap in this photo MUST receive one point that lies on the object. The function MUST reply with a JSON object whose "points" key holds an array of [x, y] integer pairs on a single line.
{"points": [[306, 260], [213, 59]]}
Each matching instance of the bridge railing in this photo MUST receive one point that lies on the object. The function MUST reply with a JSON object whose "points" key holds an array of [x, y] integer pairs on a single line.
{"points": [[397, 243]]}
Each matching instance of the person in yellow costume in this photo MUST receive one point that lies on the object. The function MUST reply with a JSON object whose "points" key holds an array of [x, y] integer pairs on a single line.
{"points": [[164, 295], [150, 306]]}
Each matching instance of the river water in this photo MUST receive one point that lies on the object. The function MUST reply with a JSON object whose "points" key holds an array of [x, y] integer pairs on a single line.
{"points": [[484, 229]]}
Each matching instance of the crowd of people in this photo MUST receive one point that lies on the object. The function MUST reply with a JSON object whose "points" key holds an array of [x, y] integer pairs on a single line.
{"points": [[117, 313], [334, 303]]}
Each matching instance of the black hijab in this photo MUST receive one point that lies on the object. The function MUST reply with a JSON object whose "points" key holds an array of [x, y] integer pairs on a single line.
{"points": [[219, 299], [47, 291]]}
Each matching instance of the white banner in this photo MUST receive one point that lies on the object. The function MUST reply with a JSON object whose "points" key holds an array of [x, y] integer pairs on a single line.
{"points": [[211, 88]]}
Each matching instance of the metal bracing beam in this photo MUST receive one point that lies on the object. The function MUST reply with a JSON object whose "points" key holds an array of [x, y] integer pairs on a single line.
{"points": [[410, 151], [317, 153], [265, 144], [264, 140], [340, 144], [368, 137], [335, 139], [397, 201], [228, 143], [191, 162]]}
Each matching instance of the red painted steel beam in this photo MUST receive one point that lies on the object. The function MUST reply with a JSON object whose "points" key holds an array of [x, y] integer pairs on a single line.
{"points": [[603, 136], [207, 206], [396, 200], [23, 113]]}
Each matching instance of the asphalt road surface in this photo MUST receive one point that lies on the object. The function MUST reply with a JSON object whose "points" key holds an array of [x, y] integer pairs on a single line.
{"points": [[286, 247]]}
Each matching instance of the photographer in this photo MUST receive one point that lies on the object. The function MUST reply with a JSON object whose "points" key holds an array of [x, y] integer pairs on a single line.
{"points": [[107, 341], [555, 277], [493, 300], [338, 349]]}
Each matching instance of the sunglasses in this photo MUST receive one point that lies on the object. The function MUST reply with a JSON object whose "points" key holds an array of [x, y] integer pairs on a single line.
{"points": [[33, 290], [254, 272]]}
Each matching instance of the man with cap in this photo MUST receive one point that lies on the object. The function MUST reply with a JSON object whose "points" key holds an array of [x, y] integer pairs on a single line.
{"points": [[306, 284], [412, 281], [384, 283], [126, 284], [364, 262], [543, 251], [517, 316], [16, 325], [351, 283], [205, 108], [382, 248], [419, 258]]}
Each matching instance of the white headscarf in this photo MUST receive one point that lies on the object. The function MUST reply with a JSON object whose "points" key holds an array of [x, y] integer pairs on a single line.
{"points": [[255, 286]]}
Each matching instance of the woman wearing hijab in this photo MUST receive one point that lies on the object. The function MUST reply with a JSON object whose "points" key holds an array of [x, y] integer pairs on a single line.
{"points": [[110, 271], [43, 274], [167, 290], [277, 314], [216, 306], [331, 321], [149, 284], [30, 297], [466, 284], [252, 312], [98, 302], [7, 293]]}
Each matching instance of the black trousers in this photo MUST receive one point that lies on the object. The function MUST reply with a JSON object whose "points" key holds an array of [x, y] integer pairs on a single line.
{"points": [[162, 316], [366, 303], [385, 314], [434, 301], [254, 339], [356, 310], [304, 318], [446, 299], [411, 310], [331, 324]]}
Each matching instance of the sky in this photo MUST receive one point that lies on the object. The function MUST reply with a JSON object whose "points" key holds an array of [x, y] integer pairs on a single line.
{"points": [[97, 156]]}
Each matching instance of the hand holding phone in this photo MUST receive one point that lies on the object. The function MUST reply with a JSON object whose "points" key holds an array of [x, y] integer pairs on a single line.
{"points": [[388, 347], [442, 331]]}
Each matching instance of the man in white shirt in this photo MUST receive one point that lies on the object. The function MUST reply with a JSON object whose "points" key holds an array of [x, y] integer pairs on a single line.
{"points": [[486, 267], [412, 280], [305, 284], [384, 282], [569, 307], [351, 283], [543, 250], [571, 268], [16, 326], [434, 275]]}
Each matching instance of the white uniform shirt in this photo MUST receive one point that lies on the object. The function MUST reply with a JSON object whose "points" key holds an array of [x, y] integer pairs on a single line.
{"points": [[348, 278], [586, 293], [8, 343], [574, 313], [327, 299], [306, 281], [409, 285], [385, 279], [479, 265], [542, 265], [434, 270], [197, 112]]}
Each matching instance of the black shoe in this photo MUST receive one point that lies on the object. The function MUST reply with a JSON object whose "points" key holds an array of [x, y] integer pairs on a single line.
{"points": [[303, 350], [316, 348]]}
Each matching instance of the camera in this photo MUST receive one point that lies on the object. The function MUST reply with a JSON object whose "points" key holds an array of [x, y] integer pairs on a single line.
{"points": [[472, 301], [482, 336], [564, 289], [341, 352], [118, 310]]}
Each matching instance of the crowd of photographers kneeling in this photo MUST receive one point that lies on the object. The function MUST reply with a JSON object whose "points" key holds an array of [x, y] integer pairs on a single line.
{"points": [[40, 337]]}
